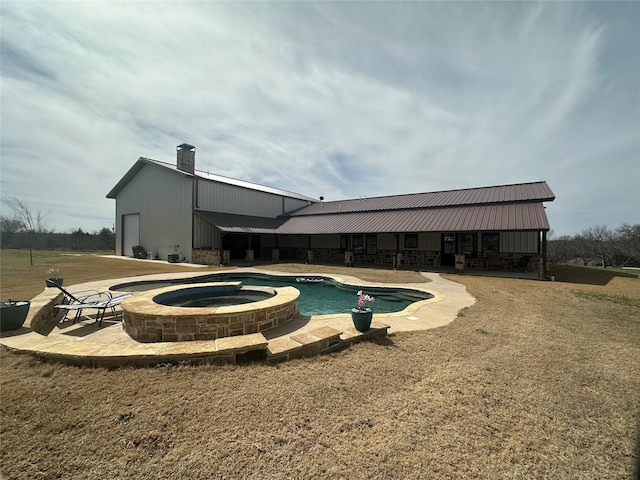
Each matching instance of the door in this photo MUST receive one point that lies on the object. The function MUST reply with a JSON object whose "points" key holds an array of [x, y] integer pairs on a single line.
{"points": [[130, 233], [448, 249], [237, 244]]}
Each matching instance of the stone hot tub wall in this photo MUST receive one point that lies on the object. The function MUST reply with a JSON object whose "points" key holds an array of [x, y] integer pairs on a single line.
{"points": [[147, 321]]}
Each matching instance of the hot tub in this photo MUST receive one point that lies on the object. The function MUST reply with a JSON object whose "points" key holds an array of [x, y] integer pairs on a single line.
{"points": [[172, 314]]}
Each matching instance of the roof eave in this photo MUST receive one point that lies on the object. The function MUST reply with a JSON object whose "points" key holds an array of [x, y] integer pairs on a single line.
{"points": [[132, 172]]}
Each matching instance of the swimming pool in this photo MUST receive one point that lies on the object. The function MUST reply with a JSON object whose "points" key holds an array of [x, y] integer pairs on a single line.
{"points": [[318, 295]]}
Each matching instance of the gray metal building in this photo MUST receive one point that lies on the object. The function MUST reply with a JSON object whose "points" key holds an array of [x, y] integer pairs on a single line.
{"points": [[157, 206], [179, 211]]}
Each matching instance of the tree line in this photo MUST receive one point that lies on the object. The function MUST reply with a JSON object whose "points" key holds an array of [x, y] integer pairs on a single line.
{"points": [[78, 240], [27, 229], [598, 246]]}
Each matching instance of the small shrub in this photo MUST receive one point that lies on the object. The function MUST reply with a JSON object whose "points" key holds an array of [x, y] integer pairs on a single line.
{"points": [[125, 417]]}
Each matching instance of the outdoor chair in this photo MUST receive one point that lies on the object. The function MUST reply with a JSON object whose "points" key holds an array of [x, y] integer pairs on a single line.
{"points": [[523, 264], [494, 261], [101, 307], [139, 252], [85, 299], [472, 260], [84, 296]]}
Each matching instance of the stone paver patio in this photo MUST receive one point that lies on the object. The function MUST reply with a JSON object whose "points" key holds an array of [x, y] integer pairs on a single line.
{"points": [[87, 343]]}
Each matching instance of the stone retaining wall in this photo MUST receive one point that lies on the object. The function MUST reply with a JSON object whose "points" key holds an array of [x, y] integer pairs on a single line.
{"points": [[43, 316], [146, 321]]}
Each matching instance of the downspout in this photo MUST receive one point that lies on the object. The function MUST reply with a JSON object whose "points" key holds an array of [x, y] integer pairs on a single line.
{"points": [[194, 205]]}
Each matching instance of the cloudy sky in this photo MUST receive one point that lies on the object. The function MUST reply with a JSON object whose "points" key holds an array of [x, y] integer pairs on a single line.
{"points": [[341, 100]]}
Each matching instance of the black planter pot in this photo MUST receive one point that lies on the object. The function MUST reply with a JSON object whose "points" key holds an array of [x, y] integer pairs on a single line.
{"points": [[13, 314], [361, 319]]}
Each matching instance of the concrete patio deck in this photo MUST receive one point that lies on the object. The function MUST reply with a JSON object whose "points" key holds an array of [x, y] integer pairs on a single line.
{"points": [[87, 343]]}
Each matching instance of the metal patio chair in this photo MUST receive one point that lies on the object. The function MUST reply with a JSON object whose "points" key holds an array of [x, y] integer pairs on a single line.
{"points": [[101, 307]]}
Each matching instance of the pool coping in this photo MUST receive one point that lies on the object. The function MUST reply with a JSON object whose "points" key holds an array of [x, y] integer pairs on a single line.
{"points": [[109, 345]]}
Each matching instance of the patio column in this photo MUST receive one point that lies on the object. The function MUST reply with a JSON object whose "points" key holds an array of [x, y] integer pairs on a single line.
{"points": [[397, 258], [544, 255]]}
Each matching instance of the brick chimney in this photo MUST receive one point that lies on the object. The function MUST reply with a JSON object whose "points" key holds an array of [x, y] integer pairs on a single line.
{"points": [[186, 158]]}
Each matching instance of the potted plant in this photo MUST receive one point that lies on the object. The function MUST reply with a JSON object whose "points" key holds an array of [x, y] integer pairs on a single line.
{"points": [[54, 276], [361, 314], [13, 313]]}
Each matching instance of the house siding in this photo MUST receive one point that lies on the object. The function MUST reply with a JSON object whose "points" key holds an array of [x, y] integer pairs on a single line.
{"points": [[205, 234], [386, 241], [325, 241], [218, 197], [519, 242], [163, 200]]}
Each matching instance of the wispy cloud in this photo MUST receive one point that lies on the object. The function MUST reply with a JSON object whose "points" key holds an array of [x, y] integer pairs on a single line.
{"points": [[332, 99]]}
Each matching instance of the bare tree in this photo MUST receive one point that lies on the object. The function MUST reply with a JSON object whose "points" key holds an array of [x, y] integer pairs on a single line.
{"points": [[562, 249], [629, 236], [600, 242], [29, 220]]}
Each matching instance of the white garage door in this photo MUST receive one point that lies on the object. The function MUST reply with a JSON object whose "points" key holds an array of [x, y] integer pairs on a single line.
{"points": [[131, 233]]}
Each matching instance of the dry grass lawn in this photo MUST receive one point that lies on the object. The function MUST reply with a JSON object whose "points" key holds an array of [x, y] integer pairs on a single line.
{"points": [[536, 380]]}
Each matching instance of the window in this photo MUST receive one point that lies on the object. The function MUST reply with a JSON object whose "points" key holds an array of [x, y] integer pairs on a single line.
{"points": [[490, 243], [372, 244], [469, 243], [410, 240], [344, 243], [358, 244]]}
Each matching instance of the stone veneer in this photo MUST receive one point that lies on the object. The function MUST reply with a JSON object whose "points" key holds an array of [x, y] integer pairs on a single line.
{"points": [[147, 321], [210, 257], [412, 258]]}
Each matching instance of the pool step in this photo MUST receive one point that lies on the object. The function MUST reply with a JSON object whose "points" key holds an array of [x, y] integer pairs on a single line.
{"points": [[377, 330], [304, 344], [319, 341]]}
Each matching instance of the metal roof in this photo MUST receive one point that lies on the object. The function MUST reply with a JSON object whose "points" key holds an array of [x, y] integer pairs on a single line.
{"points": [[230, 223], [142, 161], [477, 218], [497, 217], [521, 192], [516, 207]]}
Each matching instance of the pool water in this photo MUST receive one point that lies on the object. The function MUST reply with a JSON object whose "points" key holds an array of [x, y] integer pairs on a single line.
{"points": [[216, 300], [318, 295]]}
